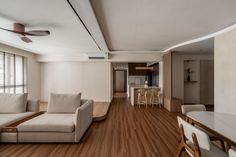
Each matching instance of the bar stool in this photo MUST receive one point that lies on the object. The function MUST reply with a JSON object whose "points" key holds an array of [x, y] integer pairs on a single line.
{"points": [[147, 96], [155, 97], [141, 97]]}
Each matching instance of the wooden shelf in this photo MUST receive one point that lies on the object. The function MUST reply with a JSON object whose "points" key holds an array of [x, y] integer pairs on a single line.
{"points": [[190, 81]]}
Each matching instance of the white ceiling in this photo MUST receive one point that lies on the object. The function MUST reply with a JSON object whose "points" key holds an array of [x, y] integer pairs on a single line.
{"points": [[68, 35], [160, 24], [128, 26], [205, 46]]}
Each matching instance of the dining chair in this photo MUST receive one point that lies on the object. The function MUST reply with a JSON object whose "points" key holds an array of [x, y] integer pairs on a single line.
{"points": [[188, 108], [200, 107], [196, 142], [232, 153], [141, 97]]}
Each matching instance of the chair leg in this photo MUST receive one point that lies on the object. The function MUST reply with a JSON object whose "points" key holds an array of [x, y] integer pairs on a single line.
{"points": [[180, 150], [223, 145], [226, 146]]}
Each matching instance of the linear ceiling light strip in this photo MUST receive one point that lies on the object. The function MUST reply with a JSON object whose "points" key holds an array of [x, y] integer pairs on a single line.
{"points": [[83, 23]]}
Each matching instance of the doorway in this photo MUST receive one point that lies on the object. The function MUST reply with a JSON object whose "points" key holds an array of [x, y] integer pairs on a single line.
{"points": [[120, 82]]}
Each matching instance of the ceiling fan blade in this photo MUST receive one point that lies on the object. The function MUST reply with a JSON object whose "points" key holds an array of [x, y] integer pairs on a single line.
{"points": [[11, 31], [37, 33], [25, 39]]}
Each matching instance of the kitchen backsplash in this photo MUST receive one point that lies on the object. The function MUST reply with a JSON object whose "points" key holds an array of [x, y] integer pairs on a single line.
{"points": [[137, 80]]}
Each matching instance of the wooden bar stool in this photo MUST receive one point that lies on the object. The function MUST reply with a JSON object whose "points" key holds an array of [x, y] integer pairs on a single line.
{"points": [[147, 96], [155, 97], [141, 97]]}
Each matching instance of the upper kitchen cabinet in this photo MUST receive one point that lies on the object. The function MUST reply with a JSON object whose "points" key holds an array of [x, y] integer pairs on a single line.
{"points": [[135, 71]]}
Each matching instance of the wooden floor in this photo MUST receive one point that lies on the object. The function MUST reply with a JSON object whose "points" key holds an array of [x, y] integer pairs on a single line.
{"points": [[127, 132]]}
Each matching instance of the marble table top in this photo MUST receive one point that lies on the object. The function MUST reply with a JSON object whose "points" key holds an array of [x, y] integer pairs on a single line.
{"points": [[222, 123]]}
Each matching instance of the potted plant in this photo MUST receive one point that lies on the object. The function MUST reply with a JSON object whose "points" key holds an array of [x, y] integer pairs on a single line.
{"points": [[189, 71]]}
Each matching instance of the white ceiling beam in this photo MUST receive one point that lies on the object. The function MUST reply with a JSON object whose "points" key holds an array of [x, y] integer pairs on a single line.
{"points": [[86, 13], [149, 57]]}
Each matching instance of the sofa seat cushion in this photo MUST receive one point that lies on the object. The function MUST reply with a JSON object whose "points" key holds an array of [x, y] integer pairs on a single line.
{"points": [[49, 123], [9, 118]]}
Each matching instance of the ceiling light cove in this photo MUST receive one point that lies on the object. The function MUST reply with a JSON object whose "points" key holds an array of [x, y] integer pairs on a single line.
{"points": [[161, 24]]}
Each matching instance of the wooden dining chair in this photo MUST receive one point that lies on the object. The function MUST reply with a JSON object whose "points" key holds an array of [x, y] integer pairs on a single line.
{"points": [[232, 153], [196, 142], [200, 107], [188, 108]]}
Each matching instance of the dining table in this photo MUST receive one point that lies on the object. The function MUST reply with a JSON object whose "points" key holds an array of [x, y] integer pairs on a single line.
{"points": [[222, 125]]}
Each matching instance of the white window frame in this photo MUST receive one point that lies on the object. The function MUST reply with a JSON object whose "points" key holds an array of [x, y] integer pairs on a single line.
{"points": [[24, 73]]}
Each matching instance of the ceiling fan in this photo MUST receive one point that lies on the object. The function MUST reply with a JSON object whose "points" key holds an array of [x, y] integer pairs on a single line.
{"points": [[20, 30]]}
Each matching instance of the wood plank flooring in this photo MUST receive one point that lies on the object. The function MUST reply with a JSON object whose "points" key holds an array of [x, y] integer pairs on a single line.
{"points": [[127, 132]]}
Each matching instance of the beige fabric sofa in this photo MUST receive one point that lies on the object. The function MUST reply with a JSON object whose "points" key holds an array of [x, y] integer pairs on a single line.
{"points": [[53, 127], [14, 107]]}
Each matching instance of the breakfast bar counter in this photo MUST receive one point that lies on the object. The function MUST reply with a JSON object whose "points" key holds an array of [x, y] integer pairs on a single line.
{"points": [[134, 92]]}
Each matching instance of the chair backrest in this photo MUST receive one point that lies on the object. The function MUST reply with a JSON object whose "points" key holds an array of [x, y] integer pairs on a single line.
{"points": [[202, 138], [147, 92], [232, 153], [141, 91], [188, 108]]}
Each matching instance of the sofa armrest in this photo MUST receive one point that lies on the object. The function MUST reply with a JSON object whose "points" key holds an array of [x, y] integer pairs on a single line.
{"points": [[32, 106], [83, 101], [83, 118]]}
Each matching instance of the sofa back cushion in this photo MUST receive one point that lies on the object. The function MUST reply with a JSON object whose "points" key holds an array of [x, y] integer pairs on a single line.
{"points": [[63, 103], [13, 103], [33, 106]]}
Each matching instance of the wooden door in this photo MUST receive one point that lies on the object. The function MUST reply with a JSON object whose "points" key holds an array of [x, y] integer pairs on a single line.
{"points": [[120, 81]]}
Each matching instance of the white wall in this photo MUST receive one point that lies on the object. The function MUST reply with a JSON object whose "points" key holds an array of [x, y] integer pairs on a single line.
{"points": [[178, 71], [93, 79], [225, 73], [33, 70]]}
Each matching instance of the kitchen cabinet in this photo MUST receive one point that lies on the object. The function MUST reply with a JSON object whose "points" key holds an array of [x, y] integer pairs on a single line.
{"points": [[134, 72]]}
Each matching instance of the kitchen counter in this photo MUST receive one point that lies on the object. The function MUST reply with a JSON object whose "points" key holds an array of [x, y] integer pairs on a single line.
{"points": [[141, 87], [134, 92]]}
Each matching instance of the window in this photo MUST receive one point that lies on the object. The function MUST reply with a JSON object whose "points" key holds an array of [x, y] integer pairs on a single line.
{"points": [[12, 73]]}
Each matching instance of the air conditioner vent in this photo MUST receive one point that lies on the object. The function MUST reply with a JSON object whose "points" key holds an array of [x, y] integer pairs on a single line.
{"points": [[96, 57]]}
